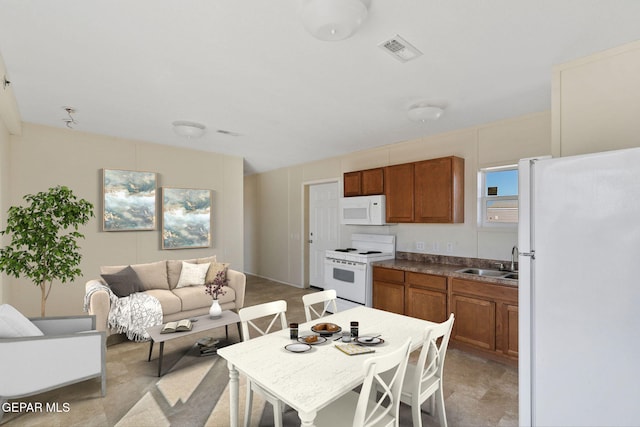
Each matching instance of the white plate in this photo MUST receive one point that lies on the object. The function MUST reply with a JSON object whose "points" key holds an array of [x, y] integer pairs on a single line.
{"points": [[363, 340], [298, 347], [321, 339]]}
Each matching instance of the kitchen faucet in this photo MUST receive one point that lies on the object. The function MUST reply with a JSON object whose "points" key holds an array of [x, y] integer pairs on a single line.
{"points": [[514, 257]]}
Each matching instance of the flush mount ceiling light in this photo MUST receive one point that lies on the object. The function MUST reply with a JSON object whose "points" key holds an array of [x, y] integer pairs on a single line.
{"points": [[333, 20], [424, 112], [188, 129]]}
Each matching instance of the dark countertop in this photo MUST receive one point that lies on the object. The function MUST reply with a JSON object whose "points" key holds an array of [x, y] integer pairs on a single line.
{"points": [[448, 270]]}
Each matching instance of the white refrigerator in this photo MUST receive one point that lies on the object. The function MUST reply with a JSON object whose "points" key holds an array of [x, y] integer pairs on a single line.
{"points": [[579, 290]]}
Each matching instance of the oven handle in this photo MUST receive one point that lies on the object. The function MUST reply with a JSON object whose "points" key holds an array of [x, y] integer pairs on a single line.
{"points": [[351, 265]]}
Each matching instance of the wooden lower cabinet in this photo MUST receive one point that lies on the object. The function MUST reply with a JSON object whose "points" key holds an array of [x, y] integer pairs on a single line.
{"points": [[510, 334], [426, 296], [419, 295], [475, 322], [388, 289], [486, 318], [486, 314]]}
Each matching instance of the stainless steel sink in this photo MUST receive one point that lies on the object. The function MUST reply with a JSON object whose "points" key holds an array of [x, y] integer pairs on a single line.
{"points": [[483, 272], [490, 273]]}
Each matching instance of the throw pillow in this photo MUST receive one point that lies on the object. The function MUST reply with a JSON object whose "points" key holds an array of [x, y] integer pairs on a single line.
{"points": [[13, 324], [124, 282], [213, 271], [192, 274]]}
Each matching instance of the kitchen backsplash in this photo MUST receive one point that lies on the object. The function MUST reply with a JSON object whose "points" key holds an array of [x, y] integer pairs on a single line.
{"points": [[453, 260]]}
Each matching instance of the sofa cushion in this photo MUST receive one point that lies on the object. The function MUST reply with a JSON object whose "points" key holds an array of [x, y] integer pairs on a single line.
{"points": [[174, 267], [214, 268], [124, 282], [13, 324], [152, 275], [192, 274], [169, 302], [194, 297]]}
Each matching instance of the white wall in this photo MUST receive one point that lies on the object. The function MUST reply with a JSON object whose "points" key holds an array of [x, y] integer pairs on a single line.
{"points": [[595, 102], [4, 196], [43, 157], [278, 236]]}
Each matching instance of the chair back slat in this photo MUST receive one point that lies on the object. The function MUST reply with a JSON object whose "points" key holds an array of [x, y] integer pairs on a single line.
{"points": [[373, 406], [328, 300], [432, 355], [248, 315]]}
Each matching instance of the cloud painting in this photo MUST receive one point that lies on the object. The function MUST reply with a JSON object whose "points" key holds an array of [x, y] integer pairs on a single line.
{"points": [[186, 218], [129, 200]]}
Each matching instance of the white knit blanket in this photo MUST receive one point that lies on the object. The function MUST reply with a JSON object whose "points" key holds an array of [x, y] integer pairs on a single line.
{"points": [[130, 315]]}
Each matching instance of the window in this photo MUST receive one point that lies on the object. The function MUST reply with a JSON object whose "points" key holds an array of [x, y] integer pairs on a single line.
{"points": [[499, 196]]}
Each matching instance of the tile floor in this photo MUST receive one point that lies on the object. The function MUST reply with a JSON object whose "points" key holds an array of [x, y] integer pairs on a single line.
{"points": [[478, 392]]}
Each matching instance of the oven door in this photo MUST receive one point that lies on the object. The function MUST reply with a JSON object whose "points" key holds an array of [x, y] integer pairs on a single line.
{"points": [[348, 278]]}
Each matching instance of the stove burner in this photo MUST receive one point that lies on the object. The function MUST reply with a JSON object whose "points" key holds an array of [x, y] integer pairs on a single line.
{"points": [[346, 250], [370, 252]]}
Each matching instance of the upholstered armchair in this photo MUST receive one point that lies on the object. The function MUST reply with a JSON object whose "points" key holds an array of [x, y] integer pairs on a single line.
{"points": [[67, 350]]}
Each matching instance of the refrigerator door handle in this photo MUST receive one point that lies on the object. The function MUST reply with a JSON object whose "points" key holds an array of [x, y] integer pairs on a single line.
{"points": [[531, 254]]}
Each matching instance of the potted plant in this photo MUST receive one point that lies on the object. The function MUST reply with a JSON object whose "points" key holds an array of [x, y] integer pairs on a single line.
{"points": [[44, 236], [215, 289]]}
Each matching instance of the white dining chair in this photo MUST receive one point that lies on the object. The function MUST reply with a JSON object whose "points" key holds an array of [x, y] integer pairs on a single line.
{"points": [[368, 408], [424, 380], [328, 300], [248, 315]]}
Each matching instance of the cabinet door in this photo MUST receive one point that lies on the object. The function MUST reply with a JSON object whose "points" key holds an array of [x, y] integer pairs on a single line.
{"points": [[388, 296], [352, 184], [426, 296], [439, 190], [398, 189], [426, 304], [372, 182], [511, 330], [475, 321]]}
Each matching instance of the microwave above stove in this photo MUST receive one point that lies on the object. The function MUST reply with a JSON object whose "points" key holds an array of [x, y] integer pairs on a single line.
{"points": [[362, 210]]}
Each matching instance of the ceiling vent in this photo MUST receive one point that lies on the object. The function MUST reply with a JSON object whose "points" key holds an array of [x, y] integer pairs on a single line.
{"points": [[400, 49]]}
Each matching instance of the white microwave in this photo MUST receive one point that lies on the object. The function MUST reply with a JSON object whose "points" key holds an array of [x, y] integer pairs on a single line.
{"points": [[362, 210]]}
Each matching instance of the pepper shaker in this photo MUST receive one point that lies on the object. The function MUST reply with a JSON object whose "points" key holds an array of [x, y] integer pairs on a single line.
{"points": [[354, 330]]}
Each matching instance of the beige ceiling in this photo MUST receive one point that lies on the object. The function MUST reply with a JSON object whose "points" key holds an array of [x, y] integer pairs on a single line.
{"points": [[130, 68]]}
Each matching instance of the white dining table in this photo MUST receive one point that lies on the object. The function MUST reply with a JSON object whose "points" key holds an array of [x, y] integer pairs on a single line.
{"points": [[311, 380]]}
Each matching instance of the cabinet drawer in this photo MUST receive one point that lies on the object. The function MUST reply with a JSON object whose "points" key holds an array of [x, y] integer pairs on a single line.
{"points": [[485, 290], [388, 275], [438, 283]]}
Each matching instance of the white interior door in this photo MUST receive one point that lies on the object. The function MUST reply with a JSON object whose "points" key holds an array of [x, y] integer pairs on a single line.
{"points": [[323, 228]]}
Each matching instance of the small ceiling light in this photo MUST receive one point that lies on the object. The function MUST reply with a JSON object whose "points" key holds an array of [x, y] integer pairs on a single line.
{"points": [[333, 20], [188, 129], [424, 112]]}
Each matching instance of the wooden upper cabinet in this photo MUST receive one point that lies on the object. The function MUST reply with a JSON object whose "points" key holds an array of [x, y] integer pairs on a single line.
{"points": [[399, 187], [352, 184], [364, 183], [439, 190], [372, 182]]}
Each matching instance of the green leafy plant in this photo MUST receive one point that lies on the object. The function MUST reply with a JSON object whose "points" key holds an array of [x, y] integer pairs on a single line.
{"points": [[44, 236]]}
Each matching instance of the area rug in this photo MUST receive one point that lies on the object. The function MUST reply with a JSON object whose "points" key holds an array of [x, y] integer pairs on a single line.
{"points": [[194, 392]]}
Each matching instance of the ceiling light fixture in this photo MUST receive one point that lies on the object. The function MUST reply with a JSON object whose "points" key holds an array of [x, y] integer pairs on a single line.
{"points": [[333, 20], [188, 129], [424, 112], [70, 121]]}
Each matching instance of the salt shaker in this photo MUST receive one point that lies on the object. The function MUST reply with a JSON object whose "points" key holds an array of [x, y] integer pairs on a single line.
{"points": [[346, 337], [293, 331]]}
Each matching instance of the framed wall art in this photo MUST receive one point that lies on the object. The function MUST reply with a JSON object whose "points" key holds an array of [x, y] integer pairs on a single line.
{"points": [[186, 218], [129, 200]]}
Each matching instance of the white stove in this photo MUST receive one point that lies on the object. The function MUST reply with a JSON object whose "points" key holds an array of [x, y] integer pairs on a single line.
{"points": [[349, 271]]}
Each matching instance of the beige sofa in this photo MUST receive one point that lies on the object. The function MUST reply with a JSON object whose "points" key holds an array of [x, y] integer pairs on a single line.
{"points": [[160, 279]]}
